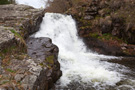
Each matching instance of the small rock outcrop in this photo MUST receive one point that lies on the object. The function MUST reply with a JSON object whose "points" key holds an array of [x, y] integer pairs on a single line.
{"points": [[24, 19], [38, 46], [91, 11], [6, 37], [47, 53]]}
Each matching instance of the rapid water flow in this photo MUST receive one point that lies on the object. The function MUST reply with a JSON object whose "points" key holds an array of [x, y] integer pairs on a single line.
{"points": [[81, 67]]}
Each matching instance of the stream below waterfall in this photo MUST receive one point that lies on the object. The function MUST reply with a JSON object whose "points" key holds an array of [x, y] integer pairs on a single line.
{"points": [[82, 69]]}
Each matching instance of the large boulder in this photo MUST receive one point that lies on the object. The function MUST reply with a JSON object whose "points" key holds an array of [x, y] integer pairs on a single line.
{"points": [[43, 49], [25, 19]]}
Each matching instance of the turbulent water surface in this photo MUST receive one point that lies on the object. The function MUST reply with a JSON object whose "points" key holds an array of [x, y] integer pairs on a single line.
{"points": [[82, 69]]}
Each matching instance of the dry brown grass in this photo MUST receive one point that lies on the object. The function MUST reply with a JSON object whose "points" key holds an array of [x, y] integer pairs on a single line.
{"points": [[57, 6], [61, 6]]}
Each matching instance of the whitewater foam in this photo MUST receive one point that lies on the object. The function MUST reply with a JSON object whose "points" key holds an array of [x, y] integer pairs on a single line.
{"points": [[77, 63]]}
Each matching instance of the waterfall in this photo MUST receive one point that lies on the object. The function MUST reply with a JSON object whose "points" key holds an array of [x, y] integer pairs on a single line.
{"points": [[78, 64]]}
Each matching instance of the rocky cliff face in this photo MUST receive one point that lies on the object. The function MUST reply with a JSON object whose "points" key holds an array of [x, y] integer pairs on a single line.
{"points": [[37, 70], [107, 26]]}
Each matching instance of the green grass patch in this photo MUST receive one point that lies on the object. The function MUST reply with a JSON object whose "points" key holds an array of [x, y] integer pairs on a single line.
{"points": [[7, 51], [42, 65], [2, 2], [4, 82], [16, 34], [97, 17], [107, 10], [50, 59], [106, 36], [21, 28], [10, 70], [95, 35]]}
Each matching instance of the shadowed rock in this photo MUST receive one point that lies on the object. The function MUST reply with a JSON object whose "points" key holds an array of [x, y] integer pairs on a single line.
{"points": [[43, 49]]}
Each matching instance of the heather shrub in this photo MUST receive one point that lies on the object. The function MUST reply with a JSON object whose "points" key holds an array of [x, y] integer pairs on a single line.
{"points": [[2, 2]]}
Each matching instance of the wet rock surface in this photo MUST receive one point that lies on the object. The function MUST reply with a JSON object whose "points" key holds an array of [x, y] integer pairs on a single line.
{"points": [[126, 61]]}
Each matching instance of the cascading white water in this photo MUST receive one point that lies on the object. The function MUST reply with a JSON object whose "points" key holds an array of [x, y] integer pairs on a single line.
{"points": [[77, 63]]}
